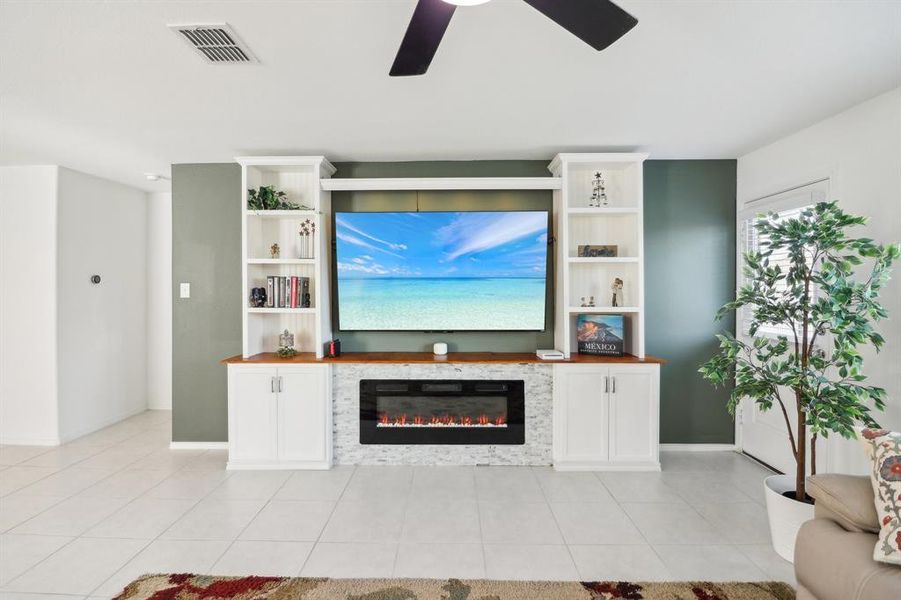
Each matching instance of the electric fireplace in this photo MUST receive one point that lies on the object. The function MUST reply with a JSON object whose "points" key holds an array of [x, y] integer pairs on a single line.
{"points": [[428, 411]]}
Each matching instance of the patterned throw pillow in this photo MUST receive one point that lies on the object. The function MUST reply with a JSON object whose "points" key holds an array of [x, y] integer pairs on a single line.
{"points": [[884, 449]]}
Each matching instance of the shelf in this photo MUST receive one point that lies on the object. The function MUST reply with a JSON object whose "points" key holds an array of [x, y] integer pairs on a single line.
{"points": [[602, 211], [603, 259], [443, 183], [282, 311], [281, 214], [281, 261], [588, 310], [429, 358]]}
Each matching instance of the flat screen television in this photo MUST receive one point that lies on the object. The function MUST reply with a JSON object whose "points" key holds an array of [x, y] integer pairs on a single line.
{"points": [[441, 271]]}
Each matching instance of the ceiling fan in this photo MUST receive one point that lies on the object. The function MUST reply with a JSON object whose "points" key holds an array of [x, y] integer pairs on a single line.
{"points": [[598, 23]]}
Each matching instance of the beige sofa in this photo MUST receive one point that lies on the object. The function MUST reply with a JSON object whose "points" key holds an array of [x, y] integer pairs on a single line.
{"points": [[834, 551]]}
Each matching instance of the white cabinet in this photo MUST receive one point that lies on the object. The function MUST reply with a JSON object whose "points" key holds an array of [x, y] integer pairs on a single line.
{"points": [[606, 416], [581, 413], [279, 417], [304, 418], [253, 414]]}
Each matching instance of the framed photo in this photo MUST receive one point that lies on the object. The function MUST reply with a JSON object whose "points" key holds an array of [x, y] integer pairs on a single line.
{"points": [[602, 335], [606, 251]]}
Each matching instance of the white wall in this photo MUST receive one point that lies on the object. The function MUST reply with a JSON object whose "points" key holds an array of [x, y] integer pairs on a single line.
{"points": [[159, 301], [28, 412], [860, 151], [102, 329]]}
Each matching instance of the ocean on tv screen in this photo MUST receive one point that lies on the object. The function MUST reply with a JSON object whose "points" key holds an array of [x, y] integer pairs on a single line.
{"points": [[442, 271]]}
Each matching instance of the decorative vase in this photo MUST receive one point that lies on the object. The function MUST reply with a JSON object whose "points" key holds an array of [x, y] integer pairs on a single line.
{"points": [[306, 246], [786, 515]]}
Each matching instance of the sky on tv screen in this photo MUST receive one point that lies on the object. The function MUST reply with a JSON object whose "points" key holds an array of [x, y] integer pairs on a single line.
{"points": [[448, 271]]}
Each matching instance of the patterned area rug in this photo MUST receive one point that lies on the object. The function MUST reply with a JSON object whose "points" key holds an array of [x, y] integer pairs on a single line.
{"points": [[203, 587]]}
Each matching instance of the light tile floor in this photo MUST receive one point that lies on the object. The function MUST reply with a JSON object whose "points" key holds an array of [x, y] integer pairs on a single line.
{"points": [[83, 519]]}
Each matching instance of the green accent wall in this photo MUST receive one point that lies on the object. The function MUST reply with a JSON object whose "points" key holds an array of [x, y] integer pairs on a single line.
{"points": [[360, 341], [689, 262], [206, 252], [689, 242]]}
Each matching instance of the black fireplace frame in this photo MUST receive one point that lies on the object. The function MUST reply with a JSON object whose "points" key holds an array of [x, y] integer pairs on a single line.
{"points": [[513, 390]]}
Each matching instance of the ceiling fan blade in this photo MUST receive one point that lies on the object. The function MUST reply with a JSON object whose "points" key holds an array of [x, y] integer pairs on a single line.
{"points": [[427, 25], [598, 23]]}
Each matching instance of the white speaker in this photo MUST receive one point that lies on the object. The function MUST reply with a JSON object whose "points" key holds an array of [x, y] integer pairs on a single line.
{"points": [[439, 348]]}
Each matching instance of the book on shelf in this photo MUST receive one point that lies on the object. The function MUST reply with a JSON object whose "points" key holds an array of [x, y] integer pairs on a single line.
{"points": [[305, 292], [601, 335], [292, 297], [288, 292]]}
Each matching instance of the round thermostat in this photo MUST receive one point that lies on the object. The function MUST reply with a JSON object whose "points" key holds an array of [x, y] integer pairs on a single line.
{"points": [[95, 279]]}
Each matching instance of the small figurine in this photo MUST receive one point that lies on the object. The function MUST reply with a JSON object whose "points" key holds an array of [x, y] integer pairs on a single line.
{"points": [[275, 251], [286, 345], [598, 192], [584, 304], [617, 289], [258, 297], [591, 301]]}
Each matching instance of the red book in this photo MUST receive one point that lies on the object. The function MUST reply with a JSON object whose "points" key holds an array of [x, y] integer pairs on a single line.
{"points": [[293, 292]]}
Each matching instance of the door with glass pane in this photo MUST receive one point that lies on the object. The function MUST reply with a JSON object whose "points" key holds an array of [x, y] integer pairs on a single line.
{"points": [[763, 435]]}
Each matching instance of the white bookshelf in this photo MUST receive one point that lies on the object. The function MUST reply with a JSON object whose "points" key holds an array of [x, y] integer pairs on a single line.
{"points": [[621, 224], [301, 178]]}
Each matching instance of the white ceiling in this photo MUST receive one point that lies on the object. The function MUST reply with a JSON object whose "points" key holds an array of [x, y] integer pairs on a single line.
{"points": [[106, 88]]}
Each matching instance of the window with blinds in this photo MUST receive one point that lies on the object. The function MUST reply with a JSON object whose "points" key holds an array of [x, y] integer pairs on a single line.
{"points": [[786, 205], [753, 241]]}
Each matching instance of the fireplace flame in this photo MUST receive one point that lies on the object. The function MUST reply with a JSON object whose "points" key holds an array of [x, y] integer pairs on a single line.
{"points": [[447, 420]]}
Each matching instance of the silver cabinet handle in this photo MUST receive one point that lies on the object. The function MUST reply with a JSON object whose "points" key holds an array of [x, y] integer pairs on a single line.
{"points": [[606, 384], [279, 383], [614, 384], [272, 384]]}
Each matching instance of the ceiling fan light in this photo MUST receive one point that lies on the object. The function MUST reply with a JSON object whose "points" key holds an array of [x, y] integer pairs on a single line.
{"points": [[466, 2]]}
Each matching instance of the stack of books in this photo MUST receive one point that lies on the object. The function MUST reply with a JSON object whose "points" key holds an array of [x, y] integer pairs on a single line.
{"points": [[288, 292]]}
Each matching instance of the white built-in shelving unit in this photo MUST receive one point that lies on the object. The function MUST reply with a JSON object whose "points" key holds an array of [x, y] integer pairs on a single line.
{"points": [[576, 223], [605, 414], [301, 177]]}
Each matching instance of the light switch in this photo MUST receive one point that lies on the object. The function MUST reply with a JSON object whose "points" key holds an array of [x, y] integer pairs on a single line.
{"points": [[185, 290]]}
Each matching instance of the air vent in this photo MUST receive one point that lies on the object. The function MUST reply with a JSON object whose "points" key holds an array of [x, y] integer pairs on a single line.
{"points": [[217, 43]]}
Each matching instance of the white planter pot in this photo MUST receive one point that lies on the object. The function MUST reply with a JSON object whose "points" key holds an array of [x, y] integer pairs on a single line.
{"points": [[786, 515]]}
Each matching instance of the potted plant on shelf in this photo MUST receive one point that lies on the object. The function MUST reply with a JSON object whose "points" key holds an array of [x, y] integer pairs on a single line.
{"points": [[266, 197], [822, 306]]}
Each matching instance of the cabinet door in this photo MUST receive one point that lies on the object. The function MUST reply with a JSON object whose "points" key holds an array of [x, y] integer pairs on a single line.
{"points": [[304, 414], [252, 414], [580, 414], [634, 413]]}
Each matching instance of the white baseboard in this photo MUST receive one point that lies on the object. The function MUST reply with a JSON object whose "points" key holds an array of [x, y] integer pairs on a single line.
{"points": [[71, 435], [611, 467], [698, 447], [74, 435], [290, 465], [27, 441], [198, 445]]}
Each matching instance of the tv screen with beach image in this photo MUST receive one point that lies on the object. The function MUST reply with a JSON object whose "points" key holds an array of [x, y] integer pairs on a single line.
{"points": [[442, 271]]}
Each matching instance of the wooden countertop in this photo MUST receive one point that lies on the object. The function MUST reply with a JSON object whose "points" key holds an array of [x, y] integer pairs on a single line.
{"points": [[429, 358]]}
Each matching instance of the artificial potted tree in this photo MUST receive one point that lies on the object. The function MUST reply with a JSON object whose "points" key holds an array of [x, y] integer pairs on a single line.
{"points": [[823, 304]]}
